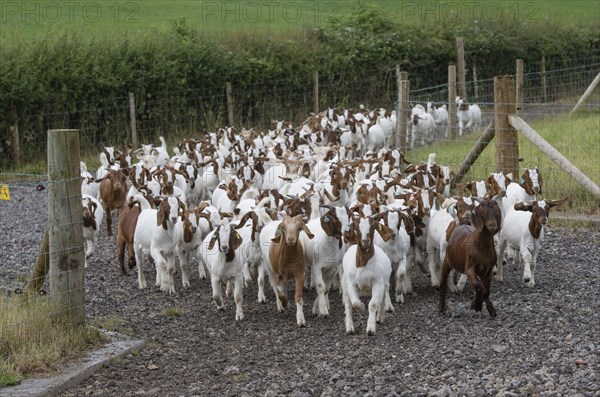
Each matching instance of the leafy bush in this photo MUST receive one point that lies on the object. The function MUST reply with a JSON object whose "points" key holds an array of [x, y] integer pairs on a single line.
{"points": [[179, 75]]}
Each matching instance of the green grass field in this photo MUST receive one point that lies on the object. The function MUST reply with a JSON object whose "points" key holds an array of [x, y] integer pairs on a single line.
{"points": [[575, 136], [29, 18]]}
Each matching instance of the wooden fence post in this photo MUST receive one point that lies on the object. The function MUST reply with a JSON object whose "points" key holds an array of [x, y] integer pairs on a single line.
{"points": [[16, 144], [507, 142], [519, 86], [65, 225], [229, 103], [475, 87], [543, 78], [460, 67], [315, 91], [587, 93], [134, 136], [402, 116], [554, 155], [452, 101], [486, 137]]}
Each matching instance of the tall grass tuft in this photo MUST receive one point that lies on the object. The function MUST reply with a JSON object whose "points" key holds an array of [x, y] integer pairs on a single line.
{"points": [[33, 339]]}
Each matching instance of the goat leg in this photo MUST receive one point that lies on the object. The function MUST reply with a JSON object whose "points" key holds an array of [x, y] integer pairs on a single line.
{"points": [[299, 300], [121, 254], [443, 285], [486, 296], [477, 303]]}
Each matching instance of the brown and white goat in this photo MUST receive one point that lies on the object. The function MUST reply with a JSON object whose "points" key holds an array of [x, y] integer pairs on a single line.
{"points": [[113, 190], [471, 251], [283, 260], [366, 271], [92, 213], [125, 233], [126, 228], [523, 231], [218, 252]]}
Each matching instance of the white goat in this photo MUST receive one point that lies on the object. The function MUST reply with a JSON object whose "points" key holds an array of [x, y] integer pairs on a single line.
{"points": [[396, 249], [440, 116], [93, 214], [154, 236], [323, 254], [469, 116], [218, 252], [423, 129], [523, 230], [189, 232], [366, 270]]}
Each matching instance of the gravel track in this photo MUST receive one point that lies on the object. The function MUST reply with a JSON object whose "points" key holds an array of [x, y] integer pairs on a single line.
{"points": [[545, 340]]}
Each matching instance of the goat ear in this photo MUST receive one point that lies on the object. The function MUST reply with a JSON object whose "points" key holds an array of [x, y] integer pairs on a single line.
{"points": [[554, 203], [385, 232], [307, 231], [95, 206], [277, 238], [327, 224], [498, 215], [235, 240], [161, 216], [243, 221], [477, 220], [349, 234], [523, 207], [213, 239]]}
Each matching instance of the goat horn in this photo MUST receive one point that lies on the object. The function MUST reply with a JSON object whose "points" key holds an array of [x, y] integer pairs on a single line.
{"points": [[329, 196]]}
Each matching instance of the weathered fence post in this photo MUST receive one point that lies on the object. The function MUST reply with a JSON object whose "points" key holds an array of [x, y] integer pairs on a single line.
{"points": [[587, 92], [16, 146], [486, 137], [507, 142], [229, 103], [315, 91], [554, 155], [402, 116], [543, 78], [134, 136], [460, 67], [452, 101], [65, 225], [475, 87], [519, 85]]}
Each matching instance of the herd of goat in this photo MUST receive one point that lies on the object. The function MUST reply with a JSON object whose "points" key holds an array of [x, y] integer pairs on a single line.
{"points": [[323, 205]]}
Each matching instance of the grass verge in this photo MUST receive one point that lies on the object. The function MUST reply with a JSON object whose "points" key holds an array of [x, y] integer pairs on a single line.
{"points": [[576, 137], [33, 340]]}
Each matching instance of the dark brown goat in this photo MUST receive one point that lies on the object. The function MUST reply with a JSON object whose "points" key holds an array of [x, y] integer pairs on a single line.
{"points": [[471, 251], [125, 233], [113, 189]]}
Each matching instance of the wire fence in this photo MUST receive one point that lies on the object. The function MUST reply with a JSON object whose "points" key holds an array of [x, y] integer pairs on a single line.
{"points": [[108, 122], [176, 118]]}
